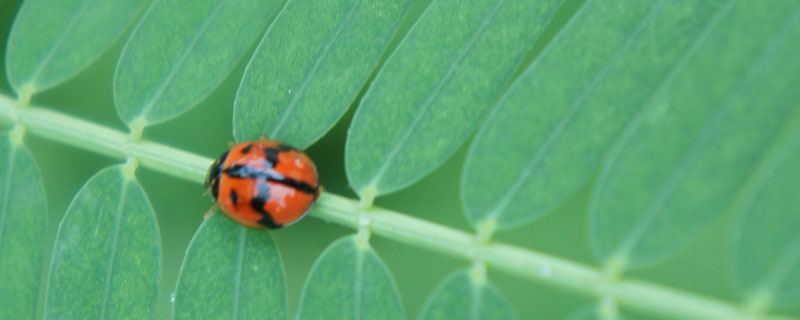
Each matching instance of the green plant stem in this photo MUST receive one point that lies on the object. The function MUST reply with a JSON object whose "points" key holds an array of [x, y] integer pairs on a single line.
{"points": [[519, 261]]}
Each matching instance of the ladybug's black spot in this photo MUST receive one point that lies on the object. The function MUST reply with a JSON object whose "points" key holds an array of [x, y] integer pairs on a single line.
{"points": [[247, 148], [258, 203], [272, 156], [234, 197], [297, 184], [244, 172], [248, 172], [272, 153], [266, 220]]}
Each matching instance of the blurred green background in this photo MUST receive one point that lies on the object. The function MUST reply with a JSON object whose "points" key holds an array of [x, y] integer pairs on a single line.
{"points": [[703, 268]]}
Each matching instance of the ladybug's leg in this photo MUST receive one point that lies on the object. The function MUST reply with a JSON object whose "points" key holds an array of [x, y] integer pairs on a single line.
{"points": [[209, 212]]}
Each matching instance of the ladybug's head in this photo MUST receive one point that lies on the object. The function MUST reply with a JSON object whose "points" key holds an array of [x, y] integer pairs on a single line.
{"points": [[214, 172]]}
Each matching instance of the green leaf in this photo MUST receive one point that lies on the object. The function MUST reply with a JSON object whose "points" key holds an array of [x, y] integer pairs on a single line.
{"points": [[462, 296], [349, 281], [551, 129], [23, 210], [766, 239], [680, 162], [436, 86], [53, 40], [306, 72], [179, 53], [107, 254], [230, 272]]}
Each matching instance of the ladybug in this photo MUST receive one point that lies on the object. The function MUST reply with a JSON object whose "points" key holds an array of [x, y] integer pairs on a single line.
{"points": [[263, 184]]}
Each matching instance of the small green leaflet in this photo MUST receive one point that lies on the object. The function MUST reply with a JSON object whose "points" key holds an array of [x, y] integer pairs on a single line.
{"points": [[230, 272], [23, 210], [53, 40], [349, 281], [107, 254], [436, 86], [682, 160], [766, 240], [461, 296], [549, 132], [307, 71], [179, 53]]}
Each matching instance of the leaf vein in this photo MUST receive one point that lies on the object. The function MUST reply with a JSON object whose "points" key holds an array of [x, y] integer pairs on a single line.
{"points": [[313, 71], [238, 276], [435, 93], [181, 60], [114, 243], [358, 283], [7, 192], [576, 107], [635, 237], [58, 43]]}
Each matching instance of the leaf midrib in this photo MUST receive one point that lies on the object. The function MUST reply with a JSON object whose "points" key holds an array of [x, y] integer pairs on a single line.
{"points": [[576, 107], [475, 295], [178, 63], [358, 281], [3, 213], [774, 160], [238, 276], [56, 44], [114, 243], [623, 138], [313, 71], [637, 232], [445, 79]]}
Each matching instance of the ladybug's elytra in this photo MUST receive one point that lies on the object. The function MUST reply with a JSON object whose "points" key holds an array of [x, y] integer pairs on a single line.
{"points": [[263, 184]]}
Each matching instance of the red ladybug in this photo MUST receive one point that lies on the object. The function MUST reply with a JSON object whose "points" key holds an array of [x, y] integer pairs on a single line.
{"points": [[263, 184]]}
